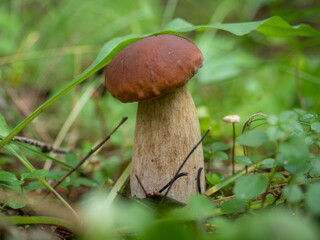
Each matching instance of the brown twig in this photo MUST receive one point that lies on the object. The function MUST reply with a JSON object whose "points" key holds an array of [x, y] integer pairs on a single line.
{"points": [[45, 147], [93, 150], [141, 185]]}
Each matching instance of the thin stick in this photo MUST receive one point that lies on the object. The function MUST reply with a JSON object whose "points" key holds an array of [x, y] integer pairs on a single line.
{"points": [[141, 185], [198, 180], [93, 150], [45, 147], [172, 181], [193, 149]]}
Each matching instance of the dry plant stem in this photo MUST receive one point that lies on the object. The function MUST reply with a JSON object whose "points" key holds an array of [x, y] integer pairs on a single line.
{"points": [[166, 129], [245, 126], [141, 185], [44, 146], [93, 150], [233, 146]]}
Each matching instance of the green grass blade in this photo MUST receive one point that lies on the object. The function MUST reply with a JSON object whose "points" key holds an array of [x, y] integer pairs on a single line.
{"points": [[38, 220]]}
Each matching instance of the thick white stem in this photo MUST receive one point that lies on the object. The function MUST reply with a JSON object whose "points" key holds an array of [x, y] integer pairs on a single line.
{"points": [[167, 128]]}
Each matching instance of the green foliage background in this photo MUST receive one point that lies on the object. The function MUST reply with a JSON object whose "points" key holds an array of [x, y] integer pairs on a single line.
{"points": [[44, 44]]}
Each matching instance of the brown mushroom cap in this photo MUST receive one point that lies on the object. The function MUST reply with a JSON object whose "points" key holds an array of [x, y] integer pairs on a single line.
{"points": [[152, 67]]}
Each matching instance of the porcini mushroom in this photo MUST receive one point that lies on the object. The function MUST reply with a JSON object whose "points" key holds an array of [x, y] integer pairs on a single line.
{"points": [[154, 71]]}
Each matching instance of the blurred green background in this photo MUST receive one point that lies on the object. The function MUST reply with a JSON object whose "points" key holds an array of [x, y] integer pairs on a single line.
{"points": [[44, 44]]}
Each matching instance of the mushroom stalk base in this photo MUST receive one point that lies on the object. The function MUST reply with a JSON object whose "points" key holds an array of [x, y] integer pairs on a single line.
{"points": [[167, 129]]}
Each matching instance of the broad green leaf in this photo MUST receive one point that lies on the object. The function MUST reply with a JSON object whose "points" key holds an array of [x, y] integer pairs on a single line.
{"points": [[312, 198], [33, 186], [315, 167], [272, 224], [219, 146], [274, 27], [250, 186], [84, 182], [197, 207], [10, 181], [279, 175], [315, 126], [233, 206], [35, 174], [214, 178], [7, 176], [288, 120], [294, 155], [253, 138], [243, 160], [274, 133], [307, 117], [272, 119], [71, 159], [16, 202], [292, 193], [55, 174], [268, 163], [219, 155], [277, 27]]}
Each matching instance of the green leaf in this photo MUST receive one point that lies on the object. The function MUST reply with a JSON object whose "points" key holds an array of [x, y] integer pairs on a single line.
{"points": [[219, 146], [84, 182], [307, 117], [197, 207], [279, 175], [315, 167], [253, 138], [288, 120], [243, 160], [233, 206], [268, 163], [292, 193], [214, 178], [7, 176], [274, 133], [312, 198], [277, 27], [274, 26], [219, 155], [71, 159], [294, 155], [272, 119], [35, 174], [250, 186], [33, 186], [16, 202], [315, 126]]}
